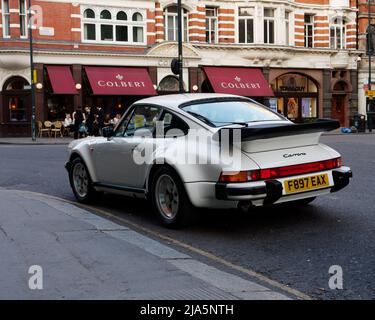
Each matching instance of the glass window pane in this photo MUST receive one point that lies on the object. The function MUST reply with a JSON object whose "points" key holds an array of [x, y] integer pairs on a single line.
{"points": [[89, 31], [242, 30], [105, 14], [271, 32], [250, 31], [89, 14], [122, 16], [137, 17], [269, 12], [143, 118], [122, 33], [137, 34], [106, 32]]}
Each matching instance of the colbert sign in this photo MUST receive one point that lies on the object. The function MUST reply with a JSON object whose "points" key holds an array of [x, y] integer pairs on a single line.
{"points": [[241, 81], [120, 81]]}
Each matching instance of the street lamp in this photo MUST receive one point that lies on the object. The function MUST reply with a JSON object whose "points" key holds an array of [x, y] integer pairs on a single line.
{"points": [[33, 75]]}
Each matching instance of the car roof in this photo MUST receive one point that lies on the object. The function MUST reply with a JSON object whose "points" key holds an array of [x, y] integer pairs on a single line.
{"points": [[173, 101]]}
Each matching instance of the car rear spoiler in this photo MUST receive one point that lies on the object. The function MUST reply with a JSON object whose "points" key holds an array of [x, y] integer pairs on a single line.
{"points": [[279, 130]]}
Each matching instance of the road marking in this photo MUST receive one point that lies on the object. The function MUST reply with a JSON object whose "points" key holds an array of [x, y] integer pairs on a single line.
{"points": [[249, 272]]}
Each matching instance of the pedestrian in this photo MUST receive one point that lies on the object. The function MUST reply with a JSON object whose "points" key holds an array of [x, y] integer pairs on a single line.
{"points": [[90, 117], [100, 118], [79, 119]]}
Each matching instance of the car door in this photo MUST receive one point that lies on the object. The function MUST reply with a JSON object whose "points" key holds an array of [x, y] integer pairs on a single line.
{"points": [[114, 158]]}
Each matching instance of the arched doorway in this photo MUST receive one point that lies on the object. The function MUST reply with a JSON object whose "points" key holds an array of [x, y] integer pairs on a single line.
{"points": [[16, 100], [169, 85], [340, 102], [296, 97]]}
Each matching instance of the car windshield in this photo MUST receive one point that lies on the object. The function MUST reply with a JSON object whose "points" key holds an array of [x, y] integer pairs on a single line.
{"points": [[222, 113]]}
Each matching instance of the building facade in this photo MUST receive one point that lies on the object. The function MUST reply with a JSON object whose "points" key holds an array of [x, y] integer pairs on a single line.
{"points": [[364, 104], [299, 57]]}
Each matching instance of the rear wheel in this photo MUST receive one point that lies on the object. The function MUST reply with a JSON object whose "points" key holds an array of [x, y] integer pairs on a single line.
{"points": [[81, 182], [170, 201]]}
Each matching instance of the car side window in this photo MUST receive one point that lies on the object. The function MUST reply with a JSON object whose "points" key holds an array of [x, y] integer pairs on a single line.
{"points": [[174, 125], [120, 130], [143, 121]]}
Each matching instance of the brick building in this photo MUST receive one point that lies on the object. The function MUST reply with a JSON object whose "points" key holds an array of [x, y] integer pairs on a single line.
{"points": [[90, 53], [363, 66]]}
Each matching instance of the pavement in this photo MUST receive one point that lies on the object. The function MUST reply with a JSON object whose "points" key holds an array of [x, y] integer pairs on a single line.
{"points": [[84, 256]]}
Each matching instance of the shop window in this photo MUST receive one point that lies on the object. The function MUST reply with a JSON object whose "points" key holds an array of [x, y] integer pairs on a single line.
{"points": [[246, 25], [297, 97], [171, 24], [122, 26], [15, 91]]}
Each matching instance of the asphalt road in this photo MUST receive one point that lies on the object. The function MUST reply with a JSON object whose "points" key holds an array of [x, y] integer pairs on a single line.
{"points": [[296, 247]]}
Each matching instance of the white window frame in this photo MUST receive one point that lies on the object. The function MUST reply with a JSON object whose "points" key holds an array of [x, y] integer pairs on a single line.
{"points": [[212, 21], [174, 16], [341, 45], [305, 31], [114, 22], [246, 18], [288, 15], [23, 18], [6, 16], [268, 20]]}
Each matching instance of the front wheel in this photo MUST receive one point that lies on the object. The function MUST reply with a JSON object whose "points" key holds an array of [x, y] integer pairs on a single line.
{"points": [[80, 181], [170, 201]]}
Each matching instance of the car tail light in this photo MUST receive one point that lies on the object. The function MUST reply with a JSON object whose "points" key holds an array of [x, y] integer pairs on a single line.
{"points": [[274, 173], [240, 176]]}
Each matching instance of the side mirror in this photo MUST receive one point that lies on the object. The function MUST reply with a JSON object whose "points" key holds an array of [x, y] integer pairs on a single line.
{"points": [[108, 132]]}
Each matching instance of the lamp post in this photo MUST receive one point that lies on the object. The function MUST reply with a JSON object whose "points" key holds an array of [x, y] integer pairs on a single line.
{"points": [[33, 80], [180, 48]]}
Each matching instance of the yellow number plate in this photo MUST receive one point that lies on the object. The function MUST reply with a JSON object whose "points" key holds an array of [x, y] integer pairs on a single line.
{"points": [[308, 183]]}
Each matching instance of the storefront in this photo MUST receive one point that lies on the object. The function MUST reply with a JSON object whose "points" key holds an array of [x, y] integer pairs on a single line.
{"points": [[60, 92], [114, 89], [248, 82], [15, 107], [296, 97]]}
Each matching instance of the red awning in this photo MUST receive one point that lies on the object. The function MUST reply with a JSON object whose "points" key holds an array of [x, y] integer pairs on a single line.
{"points": [[61, 80], [241, 81], [120, 81]]}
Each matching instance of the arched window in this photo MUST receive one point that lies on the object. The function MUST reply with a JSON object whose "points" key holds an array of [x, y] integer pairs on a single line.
{"points": [[338, 33], [89, 14], [171, 24], [106, 15], [169, 84], [122, 16], [14, 91], [137, 17]]}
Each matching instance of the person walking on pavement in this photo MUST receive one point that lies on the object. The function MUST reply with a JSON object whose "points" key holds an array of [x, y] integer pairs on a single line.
{"points": [[90, 117]]}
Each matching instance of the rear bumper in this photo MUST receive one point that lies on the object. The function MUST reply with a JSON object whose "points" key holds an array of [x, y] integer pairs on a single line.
{"points": [[271, 191]]}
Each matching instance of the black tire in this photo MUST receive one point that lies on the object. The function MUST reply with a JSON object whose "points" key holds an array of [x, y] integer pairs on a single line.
{"points": [[185, 212], [91, 193], [301, 202]]}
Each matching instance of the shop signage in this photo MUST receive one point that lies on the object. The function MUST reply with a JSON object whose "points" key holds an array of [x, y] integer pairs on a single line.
{"points": [[238, 84], [119, 82], [294, 89]]}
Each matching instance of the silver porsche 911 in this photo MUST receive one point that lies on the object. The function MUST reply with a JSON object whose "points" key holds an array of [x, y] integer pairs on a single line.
{"points": [[206, 151]]}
